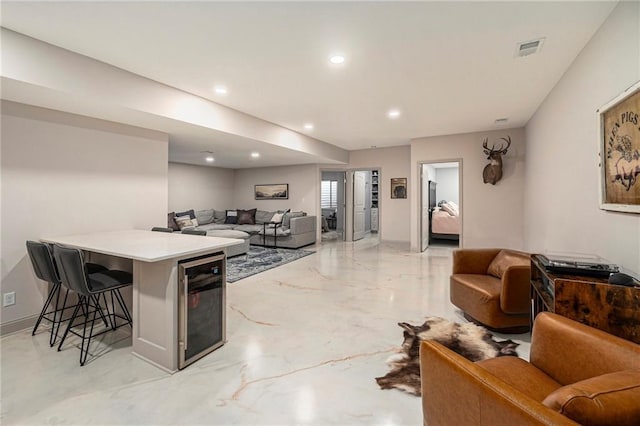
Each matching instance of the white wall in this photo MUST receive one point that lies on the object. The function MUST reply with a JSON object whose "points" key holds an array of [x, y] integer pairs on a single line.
{"points": [[64, 174], [200, 187], [562, 212], [393, 163], [447, 187], [304, 188], [492, 216]]}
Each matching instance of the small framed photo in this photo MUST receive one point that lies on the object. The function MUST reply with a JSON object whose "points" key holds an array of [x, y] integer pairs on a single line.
{"points": [[398, 187], [620, 152], [279, 191]]}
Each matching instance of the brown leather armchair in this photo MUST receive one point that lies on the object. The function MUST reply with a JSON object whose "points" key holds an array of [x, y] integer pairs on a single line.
{"points": [[492, 287], [576, 375]]}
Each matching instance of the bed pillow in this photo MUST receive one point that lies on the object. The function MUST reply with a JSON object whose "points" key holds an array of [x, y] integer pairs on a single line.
{"points": [[247, 217], [232, 217], [447, 208]]}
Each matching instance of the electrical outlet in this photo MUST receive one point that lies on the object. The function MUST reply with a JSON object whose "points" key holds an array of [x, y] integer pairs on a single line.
{"points": [[9, 299]]}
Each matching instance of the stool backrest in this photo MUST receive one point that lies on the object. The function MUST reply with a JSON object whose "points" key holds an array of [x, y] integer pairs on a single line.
{"points": [[42, 261], [194, 232], [161, 229], [70, 263]]}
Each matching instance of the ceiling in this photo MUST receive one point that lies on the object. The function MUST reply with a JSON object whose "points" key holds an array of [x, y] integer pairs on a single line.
{"points": [[448, 67]]}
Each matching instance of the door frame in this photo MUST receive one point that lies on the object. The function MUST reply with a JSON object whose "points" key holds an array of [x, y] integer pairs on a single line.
{"points": [[460, 198], [344, 203]]}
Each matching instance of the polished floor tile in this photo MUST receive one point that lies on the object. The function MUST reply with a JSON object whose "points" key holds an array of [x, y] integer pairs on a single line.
{"points": [[305, 342]]}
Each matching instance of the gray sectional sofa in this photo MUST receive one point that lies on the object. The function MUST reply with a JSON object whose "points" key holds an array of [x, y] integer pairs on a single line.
{"points": [[296, 229]]}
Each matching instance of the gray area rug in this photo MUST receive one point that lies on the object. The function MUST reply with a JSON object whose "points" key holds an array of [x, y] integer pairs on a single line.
{"points": [[260, 259]]}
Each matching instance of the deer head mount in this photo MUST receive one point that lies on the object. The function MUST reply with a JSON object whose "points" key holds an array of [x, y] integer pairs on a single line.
{"points": [[492, 172]]}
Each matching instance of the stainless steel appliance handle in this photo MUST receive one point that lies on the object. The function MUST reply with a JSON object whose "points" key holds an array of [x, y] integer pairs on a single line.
{"points": [[186, 310]]}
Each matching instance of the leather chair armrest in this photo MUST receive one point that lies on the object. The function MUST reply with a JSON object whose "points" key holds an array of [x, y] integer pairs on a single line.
{"points": [[455, 391], [569, 352], [515, 294], [472, 261]]}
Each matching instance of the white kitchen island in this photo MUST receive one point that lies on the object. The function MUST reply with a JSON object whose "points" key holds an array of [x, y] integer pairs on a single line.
{"points": [[155, 257]]}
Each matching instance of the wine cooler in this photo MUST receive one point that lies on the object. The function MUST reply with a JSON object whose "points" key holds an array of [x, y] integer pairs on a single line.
{"points": [[201, 307]]}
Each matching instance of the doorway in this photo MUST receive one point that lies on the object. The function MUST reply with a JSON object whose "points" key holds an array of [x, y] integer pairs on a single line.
{"points": [[332, 205], [440, 204], [365, 206]]}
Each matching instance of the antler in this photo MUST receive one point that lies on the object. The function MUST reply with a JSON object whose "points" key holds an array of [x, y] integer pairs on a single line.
{"points": [[508, 141], [486, 148]]}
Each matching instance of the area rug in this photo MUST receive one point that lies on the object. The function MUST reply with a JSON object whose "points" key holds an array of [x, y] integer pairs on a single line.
{"points": [[259, 259], [469, 340]]}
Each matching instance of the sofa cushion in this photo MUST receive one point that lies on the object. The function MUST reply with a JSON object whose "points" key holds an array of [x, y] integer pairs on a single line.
{"points": [[608, 399], [189, 213], [503, 260], [219, 216], [286, 220], [246, 217], [171, 221], [215, 226], [250, 229], [232, 217], [204, 216], [263, 216]]}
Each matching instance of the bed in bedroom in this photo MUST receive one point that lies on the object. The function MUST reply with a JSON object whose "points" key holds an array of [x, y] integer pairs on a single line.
{"points": [[444, 218]]}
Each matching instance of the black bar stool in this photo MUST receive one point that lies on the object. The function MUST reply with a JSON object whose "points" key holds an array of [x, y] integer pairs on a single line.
{"points": [[90, 289], [45, 269], [194, 232], [161, 229]]}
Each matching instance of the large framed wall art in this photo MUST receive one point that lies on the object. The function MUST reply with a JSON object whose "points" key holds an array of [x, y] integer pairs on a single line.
{"points": [[279, 191], [620, 152]]}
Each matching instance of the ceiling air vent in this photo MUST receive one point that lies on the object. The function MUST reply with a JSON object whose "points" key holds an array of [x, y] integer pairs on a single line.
{"points": [[526, 48]]}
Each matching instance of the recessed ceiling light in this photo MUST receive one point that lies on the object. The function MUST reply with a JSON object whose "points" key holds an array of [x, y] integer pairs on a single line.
{"points": [[308, 126], [220, 90], [255, 154], [394, 113], [337, 59], [209, 159]]}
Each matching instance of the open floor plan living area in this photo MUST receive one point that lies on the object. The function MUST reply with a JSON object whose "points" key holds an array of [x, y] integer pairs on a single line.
{"points": [[320, 213]]}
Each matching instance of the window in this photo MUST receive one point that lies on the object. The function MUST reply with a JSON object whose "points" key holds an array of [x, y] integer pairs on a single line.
{"points": [[329, 194]]}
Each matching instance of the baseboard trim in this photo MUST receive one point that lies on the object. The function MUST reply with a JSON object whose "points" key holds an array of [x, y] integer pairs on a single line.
{"points": [[15, 326]]}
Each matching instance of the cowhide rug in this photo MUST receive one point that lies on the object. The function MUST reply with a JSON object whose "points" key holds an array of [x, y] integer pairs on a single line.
{"points": [[469, 340]]}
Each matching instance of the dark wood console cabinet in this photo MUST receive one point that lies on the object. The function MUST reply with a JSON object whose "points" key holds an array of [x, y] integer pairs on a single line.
{"points": [[589, 300]]}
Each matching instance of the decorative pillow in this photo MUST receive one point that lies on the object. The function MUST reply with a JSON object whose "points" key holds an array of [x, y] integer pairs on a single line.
{"points": [[185, 222], [263, 217], [502, 261], [277, 217], [247, 217], [232, 217], [219, 216], [607, 399], [171, 221], [204, 216], [190, 213]]}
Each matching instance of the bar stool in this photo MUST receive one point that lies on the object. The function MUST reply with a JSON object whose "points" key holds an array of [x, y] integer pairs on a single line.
{"points": [[90, 288], [161, 229], [45, 269]]}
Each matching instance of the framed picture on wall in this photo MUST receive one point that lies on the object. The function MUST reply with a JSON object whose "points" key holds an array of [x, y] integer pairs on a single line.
{"points": [[398, 187], [279, 191], [620, 152]]}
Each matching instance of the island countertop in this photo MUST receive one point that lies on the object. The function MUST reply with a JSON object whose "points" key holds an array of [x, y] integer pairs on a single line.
{"points": [[146, 246]]}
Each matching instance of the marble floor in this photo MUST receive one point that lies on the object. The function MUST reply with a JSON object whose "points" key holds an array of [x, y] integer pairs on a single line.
{"points": [[305, 342]]}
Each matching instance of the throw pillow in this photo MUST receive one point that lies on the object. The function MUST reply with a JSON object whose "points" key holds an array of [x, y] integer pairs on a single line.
{"points": [[502, 261], [247, 217], [277, 217], [605, 399], [286, 220], [204, 216], [190, 213], [171, 221], [184, 222], [232, 217]]}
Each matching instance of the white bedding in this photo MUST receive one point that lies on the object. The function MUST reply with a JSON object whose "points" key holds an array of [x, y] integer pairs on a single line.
{"points": [[444, 223]]}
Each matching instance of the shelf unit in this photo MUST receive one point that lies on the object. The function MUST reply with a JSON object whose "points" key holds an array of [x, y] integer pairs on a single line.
{"points": [[374, 200], [589, 300]]}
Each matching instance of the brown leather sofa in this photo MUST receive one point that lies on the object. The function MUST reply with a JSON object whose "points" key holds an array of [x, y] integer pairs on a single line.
{"points": [[576, 375], [492, 287]]}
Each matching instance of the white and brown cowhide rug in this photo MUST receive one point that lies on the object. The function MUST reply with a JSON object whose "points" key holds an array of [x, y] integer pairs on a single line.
{"points": [[469, 340]]}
